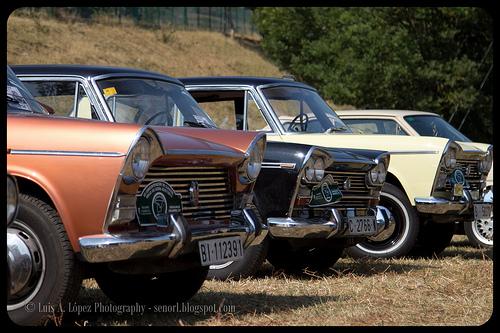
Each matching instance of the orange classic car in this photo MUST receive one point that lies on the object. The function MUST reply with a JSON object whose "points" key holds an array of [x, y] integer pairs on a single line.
{"points": [[145, 211]]}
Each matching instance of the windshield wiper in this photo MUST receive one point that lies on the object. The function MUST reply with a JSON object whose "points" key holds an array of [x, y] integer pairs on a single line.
{"points": [[12, 100], [197, 124], [336, 129]]}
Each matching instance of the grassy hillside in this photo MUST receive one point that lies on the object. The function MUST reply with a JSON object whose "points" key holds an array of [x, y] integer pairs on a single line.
{"points": [[176, 53]]}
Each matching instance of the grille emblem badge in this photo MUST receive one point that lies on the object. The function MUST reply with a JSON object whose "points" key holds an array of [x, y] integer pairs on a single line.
{"points": [[194, 193], [347, 184]]}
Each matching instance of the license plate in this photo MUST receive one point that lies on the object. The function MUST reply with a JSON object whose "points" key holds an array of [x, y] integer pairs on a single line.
{"points": [[458, 190], [482, 211], [361, 225], [220, 250]]}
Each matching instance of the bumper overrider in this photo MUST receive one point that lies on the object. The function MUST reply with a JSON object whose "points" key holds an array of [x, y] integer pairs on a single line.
{"points": [[116, 247], [333, 226]]}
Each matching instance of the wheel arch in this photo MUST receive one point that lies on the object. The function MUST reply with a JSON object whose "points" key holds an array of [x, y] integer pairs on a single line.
{"points": [[34, 188], [393, 180]]}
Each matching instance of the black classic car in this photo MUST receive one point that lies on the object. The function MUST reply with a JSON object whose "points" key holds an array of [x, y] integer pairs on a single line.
{"points": [[316, 202], [421, 190]]}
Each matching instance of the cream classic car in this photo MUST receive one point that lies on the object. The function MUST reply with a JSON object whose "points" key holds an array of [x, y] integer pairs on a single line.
{"points": [[426, 191], [420, 123]]}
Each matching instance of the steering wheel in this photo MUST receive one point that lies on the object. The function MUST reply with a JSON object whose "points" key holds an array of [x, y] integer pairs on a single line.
{"points": [[150, 120], [303, 124]]}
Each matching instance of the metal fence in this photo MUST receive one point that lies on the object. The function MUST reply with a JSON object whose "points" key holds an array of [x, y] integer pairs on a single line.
{"points": [[220, 19]]}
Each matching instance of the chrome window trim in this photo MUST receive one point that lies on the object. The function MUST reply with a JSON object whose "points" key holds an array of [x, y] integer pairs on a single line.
{"points": [[65, 153], [261, 105], [89, 90]]}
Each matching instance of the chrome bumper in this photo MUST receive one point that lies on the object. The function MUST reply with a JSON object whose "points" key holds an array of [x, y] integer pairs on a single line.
{"points": [[334, 225], [108, 247], [440, 206]]}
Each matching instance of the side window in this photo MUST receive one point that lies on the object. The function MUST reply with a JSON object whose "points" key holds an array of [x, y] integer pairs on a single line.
{"points": [[393, 128], [375, 126], [222, 113], [64, 98], [255, 119]]}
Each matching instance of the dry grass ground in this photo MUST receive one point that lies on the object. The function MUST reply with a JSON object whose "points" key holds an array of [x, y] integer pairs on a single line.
{"points": [[455, 289], [39, 40]]}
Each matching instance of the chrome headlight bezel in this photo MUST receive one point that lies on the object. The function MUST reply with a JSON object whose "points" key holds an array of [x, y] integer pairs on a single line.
{"points": [[140, 158], [484, 166], [12, 198], [314, 170], [450, 159], [447, 164], [249, 170], [378, 174]]}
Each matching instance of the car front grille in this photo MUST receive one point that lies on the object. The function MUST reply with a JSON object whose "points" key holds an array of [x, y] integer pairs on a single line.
{"points": [[358, 195], [215, 195], [471, 172]]}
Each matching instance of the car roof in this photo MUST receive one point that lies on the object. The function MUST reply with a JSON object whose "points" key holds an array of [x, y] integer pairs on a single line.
{"points": [[383, 112], [242, 80], [86, 71]]}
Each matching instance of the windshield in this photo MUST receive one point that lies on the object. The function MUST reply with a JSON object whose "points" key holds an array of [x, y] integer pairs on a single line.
{"points": [[427, 125], [19, 98], [303, 110], [152, 102]]}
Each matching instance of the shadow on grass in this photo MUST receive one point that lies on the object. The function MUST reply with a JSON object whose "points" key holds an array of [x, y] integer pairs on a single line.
{"points": [[351, 267], [467, 253], [213, 305]]}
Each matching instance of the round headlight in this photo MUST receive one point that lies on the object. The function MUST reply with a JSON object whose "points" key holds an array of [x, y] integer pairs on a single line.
{"points": [[254, 164], [485, 164], [140, 158], [441, 181], [450, 160], [309, 174], [12, 197], [373, 175], [319, 169], [382, 173]]}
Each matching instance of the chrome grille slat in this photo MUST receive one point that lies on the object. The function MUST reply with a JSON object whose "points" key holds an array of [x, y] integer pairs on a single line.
{"points": [[358, 195], [215, 198], [474, 178]]}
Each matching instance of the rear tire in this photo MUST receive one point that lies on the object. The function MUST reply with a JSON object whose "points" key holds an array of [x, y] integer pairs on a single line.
{"points": [[397, 241], [282, 256], [56, 276], [164, 288], [433, 239]]}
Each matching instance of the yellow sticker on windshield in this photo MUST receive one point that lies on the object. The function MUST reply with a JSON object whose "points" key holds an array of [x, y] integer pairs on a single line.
{"points": [[109, 91]]}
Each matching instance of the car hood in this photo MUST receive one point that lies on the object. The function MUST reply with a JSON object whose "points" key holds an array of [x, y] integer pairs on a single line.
{"points": [[207, 140]]}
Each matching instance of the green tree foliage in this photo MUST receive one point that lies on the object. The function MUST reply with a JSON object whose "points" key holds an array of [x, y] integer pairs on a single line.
{"points": [[431, 59]]}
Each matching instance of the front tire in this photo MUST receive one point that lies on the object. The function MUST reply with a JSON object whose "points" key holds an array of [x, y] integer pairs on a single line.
{"points": [[163, 288], [398, 240], [55, 274], [252, 260], [480, 233]]}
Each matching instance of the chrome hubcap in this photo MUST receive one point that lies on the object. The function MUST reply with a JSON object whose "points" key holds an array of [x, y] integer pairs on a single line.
{"points": [[25, 263], [221, 266], [483, 230]]}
